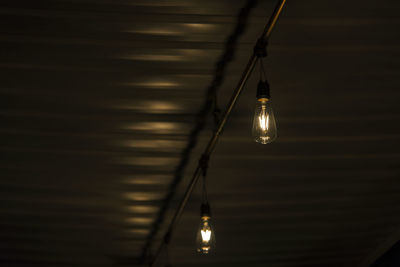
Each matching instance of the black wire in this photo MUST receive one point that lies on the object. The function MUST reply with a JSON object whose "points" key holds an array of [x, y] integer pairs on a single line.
{"points": [[263, 73], [201, 118], [204, 193]]}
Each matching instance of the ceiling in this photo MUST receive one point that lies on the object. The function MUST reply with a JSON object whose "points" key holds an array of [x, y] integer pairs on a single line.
{"points": [[98, 98]]}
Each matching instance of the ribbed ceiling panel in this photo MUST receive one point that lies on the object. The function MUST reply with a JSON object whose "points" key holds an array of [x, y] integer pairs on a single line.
{"points": [[98, 99]]}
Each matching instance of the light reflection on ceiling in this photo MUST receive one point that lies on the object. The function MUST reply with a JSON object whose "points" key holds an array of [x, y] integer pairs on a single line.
{"points": [[139, 220], [164, 145], [162, 107], [176, 29], [138, 231], [157, 127], [184, 55], [146, 179], [155, 84], [143, 196], [145, 209]]}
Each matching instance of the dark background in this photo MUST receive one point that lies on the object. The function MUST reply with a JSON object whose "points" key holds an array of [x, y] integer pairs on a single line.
{"points": [[98, 99]]}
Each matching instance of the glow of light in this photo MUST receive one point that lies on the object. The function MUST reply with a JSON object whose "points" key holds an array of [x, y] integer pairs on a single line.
{"points": [[151, 106], [143, 232], [168, 55], [158, 31], [172, 29], [156, 127], [141, 196], [139, 220], [153, 144], [200, 26], [156, 84], [142, 209], [264, 121], [146, 179], [206, 235], [205, 249]]}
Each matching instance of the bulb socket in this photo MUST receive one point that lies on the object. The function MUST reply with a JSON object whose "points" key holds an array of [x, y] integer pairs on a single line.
{"points": [[263, 91], [205, 210]]}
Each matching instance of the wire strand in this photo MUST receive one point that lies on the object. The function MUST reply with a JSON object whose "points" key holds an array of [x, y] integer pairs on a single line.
{"points": [[263, 73], [204, 193]]}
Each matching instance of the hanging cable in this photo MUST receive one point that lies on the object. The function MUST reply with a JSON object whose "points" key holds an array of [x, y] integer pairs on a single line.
{"points": [[263, 74], [203, 163], [204, 197], [213, 141]]}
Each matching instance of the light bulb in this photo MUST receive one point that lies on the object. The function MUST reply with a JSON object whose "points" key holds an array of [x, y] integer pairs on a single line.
{"points": [[264, 126], [205, 235]]}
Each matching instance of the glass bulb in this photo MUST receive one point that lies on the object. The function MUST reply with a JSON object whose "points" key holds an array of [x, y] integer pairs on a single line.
{"points": [[205, 236], [264, 127]]}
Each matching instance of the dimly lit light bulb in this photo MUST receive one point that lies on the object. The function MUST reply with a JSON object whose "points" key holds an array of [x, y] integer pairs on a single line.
{"points": [[205, 235], [264, 126]]}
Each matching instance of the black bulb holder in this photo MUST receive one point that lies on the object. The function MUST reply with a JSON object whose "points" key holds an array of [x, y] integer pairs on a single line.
{"points": [[263, 90], [260, 50], [205, 210]]}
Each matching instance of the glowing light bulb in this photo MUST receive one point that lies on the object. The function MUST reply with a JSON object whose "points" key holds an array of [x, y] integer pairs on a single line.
{"points": [[264, 126], [205, 236]]}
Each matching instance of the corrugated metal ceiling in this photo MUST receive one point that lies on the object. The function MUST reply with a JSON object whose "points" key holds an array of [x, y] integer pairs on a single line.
{"points": [[98, 99]]}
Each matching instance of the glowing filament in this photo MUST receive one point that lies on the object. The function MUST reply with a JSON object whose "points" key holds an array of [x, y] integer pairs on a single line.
{"points": [[264, 121], [206, 235]]}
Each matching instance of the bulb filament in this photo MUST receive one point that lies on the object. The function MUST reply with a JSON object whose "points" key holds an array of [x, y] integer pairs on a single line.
{"points": [[263, 119], [206, 235]]}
